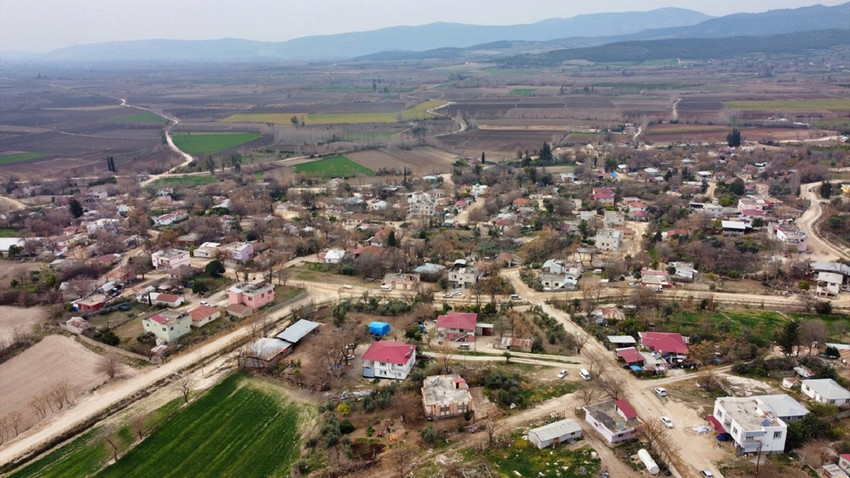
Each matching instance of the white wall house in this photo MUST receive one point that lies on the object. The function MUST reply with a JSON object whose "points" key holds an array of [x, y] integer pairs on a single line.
{"points": [[752, 425], [555, 433], [608, 240], [825, 390], [168, 326], [388, 359], [170, 259]]}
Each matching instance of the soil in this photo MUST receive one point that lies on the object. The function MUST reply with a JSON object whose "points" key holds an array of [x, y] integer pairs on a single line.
{"points": [[18, 321]]}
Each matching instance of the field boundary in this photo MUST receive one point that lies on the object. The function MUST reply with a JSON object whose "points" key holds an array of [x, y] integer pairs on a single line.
{"points": [[126, 353]]}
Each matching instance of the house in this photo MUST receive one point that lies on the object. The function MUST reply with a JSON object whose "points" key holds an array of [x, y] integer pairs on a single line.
{"points": [[333, 256], [613, 219], [557, 281], [121, 274], [240, 252], [203, 315], [614, 420], [825, 390], [604, 196], [462, 276], [630, 356], [783, 406], [829, 283], [170, 218], [621, 341], [388, 359], [844, 462], [516, 343], [791, 236], [168, 325], [253, 294], [264, 353], [608, 314], [683, 271], [734, 227], [654, 278], [168, 300], [670, 345], [834, 267], [421, 204], [457, 326], [555, 433], [608, 240], [445, 396], [754, 427], [240, 311], [400, 281], [170, 259], [76, 325], [207, 250], [91, 303]]}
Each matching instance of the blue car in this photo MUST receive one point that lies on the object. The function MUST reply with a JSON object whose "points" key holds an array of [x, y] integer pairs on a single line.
{"points": [[724, 437]]}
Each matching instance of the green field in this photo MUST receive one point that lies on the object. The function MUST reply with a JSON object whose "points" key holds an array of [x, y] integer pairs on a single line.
{"points": [[417, 112], [15, 158], [333, 167], [836, 104], [209, 143], [524, 459], [86, 108], [185, 181], [139, 118], [522, 92]]}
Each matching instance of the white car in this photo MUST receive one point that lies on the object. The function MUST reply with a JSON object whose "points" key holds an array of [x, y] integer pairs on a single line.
{"points": [[660, 391], [667, 422], [562, 374], [706, 474]]}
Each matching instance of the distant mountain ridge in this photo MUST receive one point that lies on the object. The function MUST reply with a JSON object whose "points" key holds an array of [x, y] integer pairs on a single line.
{"points": [[354, 44]]}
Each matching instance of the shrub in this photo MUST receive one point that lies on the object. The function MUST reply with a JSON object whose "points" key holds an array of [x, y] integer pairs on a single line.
{"points": [[429, 435]]}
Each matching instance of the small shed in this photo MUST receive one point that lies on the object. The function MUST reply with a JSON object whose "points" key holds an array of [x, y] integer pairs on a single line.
{"points": [[297, 331], [264, 353], [379, 328], [554, 433]]}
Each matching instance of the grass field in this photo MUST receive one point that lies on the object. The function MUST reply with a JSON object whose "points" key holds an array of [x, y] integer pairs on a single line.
{"points": [[185, 181], [239, 428], [139, 118], [14, 158], [417, 112], [209, 143], [522, 92], [9, 232], [524, 459], [837, 104], [333, 167], [86, 108]]}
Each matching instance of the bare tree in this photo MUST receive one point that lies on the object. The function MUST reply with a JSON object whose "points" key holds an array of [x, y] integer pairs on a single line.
{"points": [[598, 365], [651, 430], [612, 386], [588, 392], [494, 426], [4, 429], [138, 423], [14, 419], [109, 364], [816, 452], [812, 332], [38, 406], [400, 458], [109, 436], [184, 383]]}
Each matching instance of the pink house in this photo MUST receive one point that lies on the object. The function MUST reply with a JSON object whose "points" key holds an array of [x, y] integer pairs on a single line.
{"points": [[239, 251], [251, 294], [457, 326]]}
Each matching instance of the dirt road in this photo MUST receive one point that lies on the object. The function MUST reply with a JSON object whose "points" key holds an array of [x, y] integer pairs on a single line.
{"points": [[822, 249]]}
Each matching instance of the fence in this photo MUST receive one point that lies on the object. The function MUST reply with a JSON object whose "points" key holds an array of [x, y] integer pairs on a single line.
{"points": [[110, 348]]}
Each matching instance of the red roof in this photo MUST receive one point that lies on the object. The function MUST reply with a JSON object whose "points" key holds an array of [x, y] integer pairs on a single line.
{"points": [[715, 423], [666, 342], [754, 212], [202, 312], [630, 355], [626, 409], [389, 351], [458, 320], [158, 319], [167, 298]]}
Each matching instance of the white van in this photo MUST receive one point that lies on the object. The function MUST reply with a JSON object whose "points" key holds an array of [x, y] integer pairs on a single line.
{"points": [[386, 287], [584, 374], [463, 347]]}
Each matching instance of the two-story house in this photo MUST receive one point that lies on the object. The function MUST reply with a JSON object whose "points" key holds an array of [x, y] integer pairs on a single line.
{"points": [[253, 294], [457, 326], [168, 325], [401, 281], [754, 427], [388, 359], [462, 276], [608, 240], [445, 396], [170, 259], [239, 251]]}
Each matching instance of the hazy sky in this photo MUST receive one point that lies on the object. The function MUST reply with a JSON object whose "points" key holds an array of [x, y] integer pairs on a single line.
{"points": [[43, 25]]}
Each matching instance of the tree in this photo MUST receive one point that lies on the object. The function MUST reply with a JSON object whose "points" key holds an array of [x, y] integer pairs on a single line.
{"points": [[789, 337], [214, 268], [545, 152], [184, 384], [811, 332], [494, 426], [612, 386], [391, 240], [109, 364], [588, 392], [733, 139], [76, 208], [138, 423], [825, 189], [109, 436]]}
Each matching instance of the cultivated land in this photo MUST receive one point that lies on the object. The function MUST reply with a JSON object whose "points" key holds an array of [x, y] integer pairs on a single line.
{"points": [[333, 167], [18, 321], [201, 143]]}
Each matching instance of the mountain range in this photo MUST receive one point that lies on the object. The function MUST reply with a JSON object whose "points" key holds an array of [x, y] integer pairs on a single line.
{"points": [[447, 40]]}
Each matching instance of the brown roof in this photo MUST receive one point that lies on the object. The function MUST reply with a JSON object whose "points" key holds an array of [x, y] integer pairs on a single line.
{"points": [[239, 309], [202, 312]]}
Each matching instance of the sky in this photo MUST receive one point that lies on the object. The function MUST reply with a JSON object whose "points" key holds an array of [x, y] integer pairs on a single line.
{"points": [[44, 25]]}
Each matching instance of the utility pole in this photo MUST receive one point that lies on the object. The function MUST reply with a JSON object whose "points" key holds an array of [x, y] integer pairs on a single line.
{"points": [[758, 459]]}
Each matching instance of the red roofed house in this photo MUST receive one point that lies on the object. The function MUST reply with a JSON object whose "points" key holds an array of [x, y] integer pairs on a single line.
{"points": [[203, 315], [664, 343], [520, 202], [90, 303], [630, 356], [625, 409], [614, 420], [168, 325], [388, 359], [458, 326], [844, 462], [168, 300], [603, 195]]}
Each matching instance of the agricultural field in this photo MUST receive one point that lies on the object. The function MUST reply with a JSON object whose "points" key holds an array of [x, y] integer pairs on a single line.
{"points": [[140, 118], [522, 92], [184, 181], [524, 459], [829, 104], [333, 167], [14, 158], [419, 161], [210, 143], [418, 112]]}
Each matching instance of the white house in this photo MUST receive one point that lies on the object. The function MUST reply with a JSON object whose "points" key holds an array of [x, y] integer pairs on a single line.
{"points": [[168, 325], [170, 259], [421, 204], [829, 283], [754, 427], [555, 433], [334, 256], [463, 276], [608, 240], [388, 359], [825, 390], [207, 250], [614, 420], [612, 219], [791, 236]]}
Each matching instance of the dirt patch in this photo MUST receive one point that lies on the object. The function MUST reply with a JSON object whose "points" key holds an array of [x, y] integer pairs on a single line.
{"points": [[39, 369], [418, 160], [17, 321]]}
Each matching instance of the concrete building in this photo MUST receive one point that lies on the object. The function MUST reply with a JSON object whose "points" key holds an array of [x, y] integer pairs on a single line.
{"points": [[608, 240], [654, 278], [463, 276], [170, 259], [388, 359], [240, 252], [253, 294], [614, 420], [829, 283], [457, 326], [754, 427], [791, 236], [825, 390], [333, 256], [421, 204], [555, 433], [445, 396], [168, 325], [207, 250], [401, 281]]}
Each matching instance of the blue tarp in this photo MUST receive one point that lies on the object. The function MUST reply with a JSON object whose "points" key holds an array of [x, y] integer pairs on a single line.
{"points": [[379, 328], [635, 368]]}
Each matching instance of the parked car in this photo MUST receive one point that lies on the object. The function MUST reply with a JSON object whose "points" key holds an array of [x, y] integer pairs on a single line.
{"points": [[706, 474], [661, 391], [667, 422], [562, 374], [515, 297]]}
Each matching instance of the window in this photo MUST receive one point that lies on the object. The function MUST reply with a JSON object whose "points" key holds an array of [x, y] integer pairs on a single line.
{"points": [[163, 329], [777, 434]]}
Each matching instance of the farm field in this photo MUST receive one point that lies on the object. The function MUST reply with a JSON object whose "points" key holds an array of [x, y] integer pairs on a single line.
{"points": [[241, 427], [419, 161], [211, 143], [185, 181], [522, 92], [418, 112], [335, 166], [139, 118], [18, 320], [831, 104], [14, 158]]}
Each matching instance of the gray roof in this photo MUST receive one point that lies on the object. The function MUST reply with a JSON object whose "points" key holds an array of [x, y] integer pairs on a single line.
{"points": [[827, 388], [297, 331], [556, 429], [621, 339], [783, 405], [267, 349], [429, 268], [831, 267]]}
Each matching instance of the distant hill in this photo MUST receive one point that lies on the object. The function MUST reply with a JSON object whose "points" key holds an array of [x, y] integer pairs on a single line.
{"points": [[688, 48], [349, 45]]}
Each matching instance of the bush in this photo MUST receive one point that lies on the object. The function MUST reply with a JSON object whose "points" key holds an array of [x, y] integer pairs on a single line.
{"points": [[346, 427], [429, 435], [824, 307]]}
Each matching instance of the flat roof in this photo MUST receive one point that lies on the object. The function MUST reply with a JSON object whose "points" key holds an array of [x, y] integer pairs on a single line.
{"points": [[295, 332], [556, 429], [441, 390]]}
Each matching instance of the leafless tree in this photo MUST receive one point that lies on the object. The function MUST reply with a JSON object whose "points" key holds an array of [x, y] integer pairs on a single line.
{"points": [[812, 332], [109, 364], [612, 386], [651, 430], [109, 436], [4, 429], [184, 383], [38, 406], [138, 423], [14, 419], [494, 426], [816, 452], [400, 458], [598, 365], [588, 392]]}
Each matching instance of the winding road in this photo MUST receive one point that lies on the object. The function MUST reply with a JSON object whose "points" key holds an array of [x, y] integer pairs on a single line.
{"points": [[822, 249]]}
